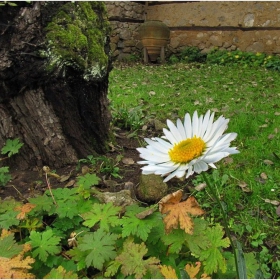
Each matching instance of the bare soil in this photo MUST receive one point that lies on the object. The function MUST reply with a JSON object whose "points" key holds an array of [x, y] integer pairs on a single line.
{"points": [[29, 183]]}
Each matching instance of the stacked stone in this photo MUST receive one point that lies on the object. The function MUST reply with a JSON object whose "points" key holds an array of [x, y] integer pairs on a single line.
{"points": [[125, 18]]}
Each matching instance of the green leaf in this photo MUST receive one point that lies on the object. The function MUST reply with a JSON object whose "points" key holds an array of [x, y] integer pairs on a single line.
{"points": [[198, 241], [8, 219], [78, 256], [242, 274], [133, 262], [138, 227], [44, 244], [174, 240], [11, 147], [61, 273], [100, 247], [252, 265], [5, 177], [106, 214], [43, 203], [112, 269], [8, 246], [8, 216], [212, 257], [88, 180]]}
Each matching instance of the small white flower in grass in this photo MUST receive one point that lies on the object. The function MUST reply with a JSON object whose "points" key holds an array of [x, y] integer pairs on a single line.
{"points": [[189, 147]]}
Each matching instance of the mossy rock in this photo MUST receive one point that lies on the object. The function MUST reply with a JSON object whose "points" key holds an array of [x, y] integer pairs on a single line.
{"points": [[78, 37], [151, 188]]}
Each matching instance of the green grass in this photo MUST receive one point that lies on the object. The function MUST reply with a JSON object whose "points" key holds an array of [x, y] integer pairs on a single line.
{"points": [[249, 97]]}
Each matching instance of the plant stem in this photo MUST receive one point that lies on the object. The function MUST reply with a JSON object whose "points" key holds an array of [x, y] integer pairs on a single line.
{"points": [[225, 222]]}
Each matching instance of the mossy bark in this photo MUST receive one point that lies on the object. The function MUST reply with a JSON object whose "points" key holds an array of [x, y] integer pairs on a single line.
{"points": [[54, 67]]}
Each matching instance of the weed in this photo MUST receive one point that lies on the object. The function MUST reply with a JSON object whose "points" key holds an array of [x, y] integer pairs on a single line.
{"points": [[10, 148]]}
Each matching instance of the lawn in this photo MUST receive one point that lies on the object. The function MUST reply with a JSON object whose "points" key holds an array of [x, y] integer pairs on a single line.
{"points": [[247, 183]]}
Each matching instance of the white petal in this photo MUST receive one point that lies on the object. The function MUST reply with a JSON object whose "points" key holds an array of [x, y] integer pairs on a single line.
{"points": [[158, 146], [174, 130], [181, 129], [164, 143], [190, 172], [188, 126], [194, 124], [215, 157], [200, 166], [170, 136]]}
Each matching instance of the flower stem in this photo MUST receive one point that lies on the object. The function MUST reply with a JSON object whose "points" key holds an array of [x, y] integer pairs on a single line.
{"points": [[225, 222]]}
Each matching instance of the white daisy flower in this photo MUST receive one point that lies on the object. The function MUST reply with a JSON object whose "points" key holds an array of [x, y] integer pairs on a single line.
{"points": [[189, 147]]}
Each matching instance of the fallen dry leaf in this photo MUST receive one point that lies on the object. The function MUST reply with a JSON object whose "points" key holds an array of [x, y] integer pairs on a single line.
{"points": [[64, 178], [70, 183], [263, 176], [193, 270], [268, 162], [178, 213], [273, 202], [244, 187], [24, 209], [145, 213], [200, 187], [228, 160], [263, 126], [168, 272]]}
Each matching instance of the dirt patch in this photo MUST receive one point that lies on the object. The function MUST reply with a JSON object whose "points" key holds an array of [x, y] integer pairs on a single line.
{"points": [[29, 183]]}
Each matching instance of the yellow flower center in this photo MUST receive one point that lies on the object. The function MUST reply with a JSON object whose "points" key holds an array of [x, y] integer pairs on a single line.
{"points": [[187, 150]]}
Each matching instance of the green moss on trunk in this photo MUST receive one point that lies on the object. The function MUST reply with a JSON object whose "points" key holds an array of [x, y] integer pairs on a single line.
{"points": [[77, 38]]}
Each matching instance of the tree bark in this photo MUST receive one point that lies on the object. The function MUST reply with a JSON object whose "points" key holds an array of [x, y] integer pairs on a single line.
{"points": [[61, 114]]}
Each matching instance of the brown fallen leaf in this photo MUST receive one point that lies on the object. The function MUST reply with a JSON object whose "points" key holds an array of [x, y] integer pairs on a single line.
{"points": [[145, 213], [263, 176], [268, 162], [178, 213], [244, 187], [64, 178], [273, 202], [200, 187], [24, 209], [70, 183]]}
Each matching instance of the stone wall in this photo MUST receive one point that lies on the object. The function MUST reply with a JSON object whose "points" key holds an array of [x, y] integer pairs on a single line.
{"points": [[125, 18], [247, 25]]}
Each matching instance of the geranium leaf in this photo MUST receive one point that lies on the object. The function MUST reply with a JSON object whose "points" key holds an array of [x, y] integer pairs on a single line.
{"points": [[212, 257], [61, 273], [135, 226], [8, 246], [44, 244], [133, 262], [99, 246], [106, 214]]}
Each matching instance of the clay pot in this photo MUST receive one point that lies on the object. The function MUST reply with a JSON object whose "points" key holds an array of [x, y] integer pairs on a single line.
{"points": [[154, 35]]}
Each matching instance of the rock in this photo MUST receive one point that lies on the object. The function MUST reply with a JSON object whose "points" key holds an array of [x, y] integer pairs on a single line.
{"points": [[122, 198], [159, 125], [151, 188]]}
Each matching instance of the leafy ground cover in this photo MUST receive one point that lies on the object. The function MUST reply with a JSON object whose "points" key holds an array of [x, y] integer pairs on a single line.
{"points": [[248, 183]]}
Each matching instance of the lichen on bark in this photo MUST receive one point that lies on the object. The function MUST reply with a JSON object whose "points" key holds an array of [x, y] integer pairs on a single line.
{"points": [[76, 37]]}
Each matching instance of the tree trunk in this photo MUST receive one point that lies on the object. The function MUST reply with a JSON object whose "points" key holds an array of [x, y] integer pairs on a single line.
{"points": [[53, 85]]}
